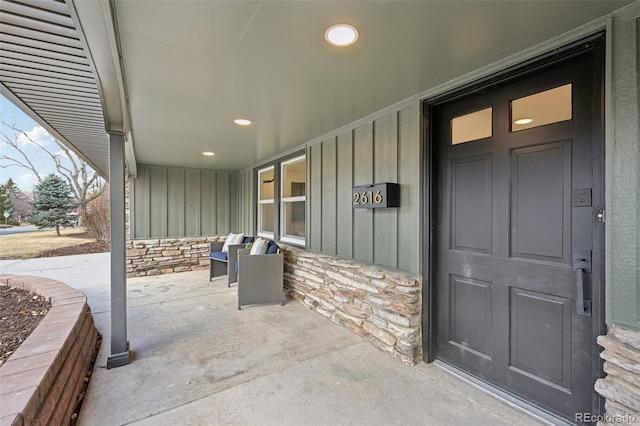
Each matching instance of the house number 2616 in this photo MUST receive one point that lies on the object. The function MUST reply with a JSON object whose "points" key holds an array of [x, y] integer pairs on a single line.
{"points": [[367, 197]]}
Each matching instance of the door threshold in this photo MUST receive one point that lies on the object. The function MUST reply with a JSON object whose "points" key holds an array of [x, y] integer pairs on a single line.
{"points": [[507, 398]]}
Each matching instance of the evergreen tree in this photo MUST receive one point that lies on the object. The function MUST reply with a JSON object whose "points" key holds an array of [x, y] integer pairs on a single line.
{"points": [[5, 202], [11, 191], [52, 202], [11, 188]]}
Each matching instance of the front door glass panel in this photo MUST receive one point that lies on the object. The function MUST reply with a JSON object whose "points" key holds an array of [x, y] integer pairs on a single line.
{"points": [[548, 107], [471, 127]]}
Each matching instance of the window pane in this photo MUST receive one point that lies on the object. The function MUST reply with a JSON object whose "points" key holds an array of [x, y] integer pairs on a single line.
{"points": [[294, 219], [265, 179], [550, 106], [471, 127], [294, 176], [266, 217]]}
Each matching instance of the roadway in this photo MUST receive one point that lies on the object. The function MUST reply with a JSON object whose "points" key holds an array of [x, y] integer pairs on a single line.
{"points": [[18, 230]]}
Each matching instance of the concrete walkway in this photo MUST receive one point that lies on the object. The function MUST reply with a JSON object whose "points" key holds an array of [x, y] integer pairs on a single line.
{"points": [[198, 360]]}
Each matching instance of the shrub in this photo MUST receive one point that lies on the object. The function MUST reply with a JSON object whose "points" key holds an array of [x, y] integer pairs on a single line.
{"points": [[95, 219]]}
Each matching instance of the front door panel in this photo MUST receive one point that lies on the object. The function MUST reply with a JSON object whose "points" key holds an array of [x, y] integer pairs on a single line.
{"points": [[512, 209]]}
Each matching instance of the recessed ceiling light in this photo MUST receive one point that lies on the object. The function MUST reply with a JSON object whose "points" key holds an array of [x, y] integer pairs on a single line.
{"points": [[524, 121], [242, 121], [208, 153], [341, 35]]}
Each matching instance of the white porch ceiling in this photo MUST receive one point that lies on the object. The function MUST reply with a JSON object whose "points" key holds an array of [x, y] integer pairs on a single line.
{"points": [[188, 68]]}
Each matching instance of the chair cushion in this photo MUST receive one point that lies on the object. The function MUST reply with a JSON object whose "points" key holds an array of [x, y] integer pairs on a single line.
{"points": [[220, 255], [247, 240], [272, 247], [259, 246]]}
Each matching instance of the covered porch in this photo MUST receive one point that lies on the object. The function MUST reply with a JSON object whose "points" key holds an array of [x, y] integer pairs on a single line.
{"points": [[201, 361], [150, 96]]}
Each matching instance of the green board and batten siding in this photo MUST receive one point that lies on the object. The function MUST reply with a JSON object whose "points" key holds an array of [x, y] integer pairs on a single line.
{"points": [[623, 173], [344, 179], [247, 202], [174, 202], [314, 198], [384, 150]]}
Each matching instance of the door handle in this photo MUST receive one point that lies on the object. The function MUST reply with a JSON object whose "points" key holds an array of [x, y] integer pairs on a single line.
{"points": [[582, 265]]}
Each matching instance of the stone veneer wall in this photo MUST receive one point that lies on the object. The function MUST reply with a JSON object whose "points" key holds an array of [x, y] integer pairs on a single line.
{"points": [[167, 255], [621, 386], [381, 305]]}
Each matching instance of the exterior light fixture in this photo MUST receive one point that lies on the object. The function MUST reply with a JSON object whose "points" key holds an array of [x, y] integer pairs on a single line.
{"points": [[242, 121], [208, 153], [341, 35], [524, 121]]}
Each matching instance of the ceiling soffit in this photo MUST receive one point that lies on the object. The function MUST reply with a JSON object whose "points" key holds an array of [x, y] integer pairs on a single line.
{"points": [[45, 70]]}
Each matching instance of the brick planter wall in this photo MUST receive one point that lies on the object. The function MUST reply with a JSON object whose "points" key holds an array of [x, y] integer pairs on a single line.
{"points": [[621, 386], [163, 256], [41, 380], [382, 305]]}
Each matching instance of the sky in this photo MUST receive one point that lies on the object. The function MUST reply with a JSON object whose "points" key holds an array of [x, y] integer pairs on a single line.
{"points": [[24, 178]]}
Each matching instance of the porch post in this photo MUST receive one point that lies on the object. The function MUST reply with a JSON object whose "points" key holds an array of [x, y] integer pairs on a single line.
{"points": [[119, 344]]}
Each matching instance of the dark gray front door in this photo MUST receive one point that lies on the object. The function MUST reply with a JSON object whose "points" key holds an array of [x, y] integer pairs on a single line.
{"points": [[517, 237]]}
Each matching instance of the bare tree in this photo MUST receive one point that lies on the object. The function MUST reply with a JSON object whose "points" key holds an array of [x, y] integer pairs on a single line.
{"points": [[19, 199], [85, 183]]}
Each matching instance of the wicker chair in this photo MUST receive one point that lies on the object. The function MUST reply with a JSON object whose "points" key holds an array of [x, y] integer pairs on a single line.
{"points": [[260, 278], [224, 263]]}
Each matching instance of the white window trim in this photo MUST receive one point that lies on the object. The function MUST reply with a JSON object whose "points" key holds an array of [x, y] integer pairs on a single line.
{"points": [[263, 202], [293, 160], [283, 200], [290, 238]]}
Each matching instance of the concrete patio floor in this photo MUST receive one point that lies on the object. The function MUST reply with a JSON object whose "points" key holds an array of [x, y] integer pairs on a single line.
{"points": [[198, 360]]}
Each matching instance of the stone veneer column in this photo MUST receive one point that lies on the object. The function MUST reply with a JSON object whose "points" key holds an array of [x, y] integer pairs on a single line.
{"points": [[382, 305], [621, 386]]}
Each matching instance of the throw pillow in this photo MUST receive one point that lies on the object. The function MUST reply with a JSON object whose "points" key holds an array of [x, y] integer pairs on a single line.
{"points": [[259, 246], [230, 240], [239, 238], [272, 248]]}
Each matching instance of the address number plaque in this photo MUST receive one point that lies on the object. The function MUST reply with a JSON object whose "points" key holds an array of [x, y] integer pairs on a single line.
{"points": [[380, 195]]}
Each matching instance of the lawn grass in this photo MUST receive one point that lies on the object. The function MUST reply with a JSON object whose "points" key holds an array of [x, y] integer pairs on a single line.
{"points": [[30, 244]]}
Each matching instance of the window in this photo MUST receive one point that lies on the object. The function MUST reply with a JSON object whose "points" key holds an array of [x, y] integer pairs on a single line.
{"points": [[266, 202], [550, 106], [471, 127], [293, 201], [282, 200]]}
